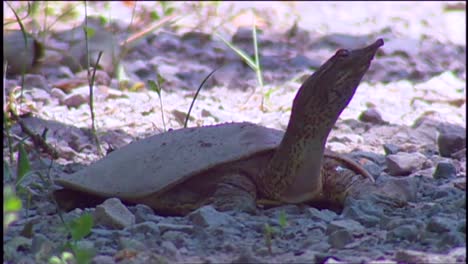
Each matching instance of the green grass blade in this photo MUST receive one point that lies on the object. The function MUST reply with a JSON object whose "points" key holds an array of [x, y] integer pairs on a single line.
{"points": [[23, 163], [239, 52], [258, 68]]}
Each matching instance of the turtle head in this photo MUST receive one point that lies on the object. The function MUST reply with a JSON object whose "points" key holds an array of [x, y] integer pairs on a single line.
{"points": [[294, 172], [329, 90]]}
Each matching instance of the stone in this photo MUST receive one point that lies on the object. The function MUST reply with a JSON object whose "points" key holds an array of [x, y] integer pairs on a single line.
{"points": [[340, 238], [323, 215], [103, 259], [362, 211], [445, 170], [208, 216], [439, 224], [112, 213], [391, 149], [163, 227], [146, 228], [345, 224], [36, 81], [302, 62], [413, 256], [178, 238], [406, 232], [371, 115], [132, 244], [15, 245], [41, 246], [75, 100], [400, 189], [142, 213], [451, 139], [169, 248], [451, 239], [402, 163]]}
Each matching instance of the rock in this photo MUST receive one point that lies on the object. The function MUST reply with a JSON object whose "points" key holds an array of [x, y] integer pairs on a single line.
{"points": [[371, 115], [75, 100], [451, 139], [207, 216], [132, 244], [41, 246], [439, 224], [142, 213], [169, 248], [246, 257], [36, 81], [407, 232], [303, 62], [445, 170], [141, 69], [459, 254], [402, 163], [345, 224], [323, 215], [340, 238], [243, 34], [400, 189], [362, 211], [58, 93], [146, 228], [391, 149], [460, 155], [102, 259], [163, 227], [112, 213], [166, 42], [14, 246], [395, 222], [412, 256], [451, 239], [178, 238]]}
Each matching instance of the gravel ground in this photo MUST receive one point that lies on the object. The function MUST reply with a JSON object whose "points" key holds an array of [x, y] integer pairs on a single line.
{"points": [[406, 124]]}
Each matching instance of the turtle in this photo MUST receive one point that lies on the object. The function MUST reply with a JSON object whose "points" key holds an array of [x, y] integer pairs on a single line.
{"points": [[239, 165]]}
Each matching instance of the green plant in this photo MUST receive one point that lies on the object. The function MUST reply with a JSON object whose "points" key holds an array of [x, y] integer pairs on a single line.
{"points": [[254, 63], [156, 86], [11, 204], [270, 232], [78, 229]]}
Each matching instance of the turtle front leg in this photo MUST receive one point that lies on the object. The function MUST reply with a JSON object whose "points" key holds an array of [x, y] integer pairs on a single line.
{"points": [[235, 192], [343, 186]]}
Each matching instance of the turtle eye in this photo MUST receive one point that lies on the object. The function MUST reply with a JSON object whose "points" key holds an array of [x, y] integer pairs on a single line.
{"points": [[342, 53]]}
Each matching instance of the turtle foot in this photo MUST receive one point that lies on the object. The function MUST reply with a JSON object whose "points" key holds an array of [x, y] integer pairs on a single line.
{"points": [[237, 193]]}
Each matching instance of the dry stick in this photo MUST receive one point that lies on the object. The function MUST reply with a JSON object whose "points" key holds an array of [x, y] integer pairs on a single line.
{"points": [[196, 94], [146, 31], [38, 140]]}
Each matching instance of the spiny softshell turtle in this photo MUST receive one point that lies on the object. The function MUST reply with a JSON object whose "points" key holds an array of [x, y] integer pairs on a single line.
{"points": [[233, 165]]}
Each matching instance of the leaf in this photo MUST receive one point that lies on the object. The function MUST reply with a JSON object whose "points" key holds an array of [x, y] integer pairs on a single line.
{"points": [[82, 255], [11, 203], [89, 31], [283, 222], [81, 226], [153, 86]]}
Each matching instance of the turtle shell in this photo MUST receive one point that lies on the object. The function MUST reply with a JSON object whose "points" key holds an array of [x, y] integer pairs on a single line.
{"points": [[156, 164]]}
